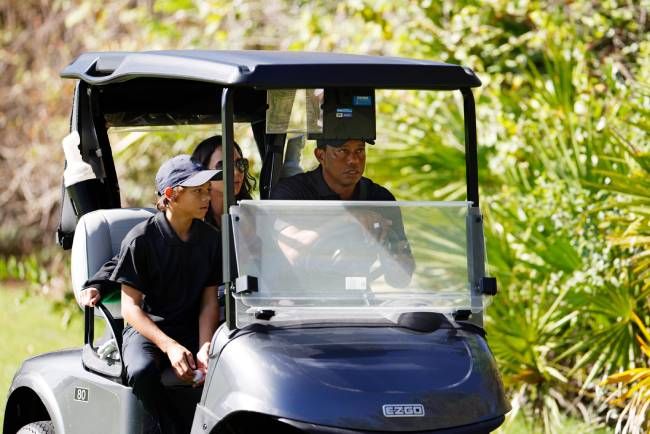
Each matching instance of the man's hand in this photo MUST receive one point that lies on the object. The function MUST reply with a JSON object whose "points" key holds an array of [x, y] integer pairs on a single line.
{"points": [[89, 297], [374, 223], [181, 360], [395, 255]]}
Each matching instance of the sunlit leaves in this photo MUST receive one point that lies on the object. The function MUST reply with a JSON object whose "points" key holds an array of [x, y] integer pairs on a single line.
{"points": [[635, 398], [560, 224], [563, 122]]}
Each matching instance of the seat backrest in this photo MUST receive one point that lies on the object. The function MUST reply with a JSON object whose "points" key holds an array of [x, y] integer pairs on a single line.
{"points": [[97, 239], [292, 157]]}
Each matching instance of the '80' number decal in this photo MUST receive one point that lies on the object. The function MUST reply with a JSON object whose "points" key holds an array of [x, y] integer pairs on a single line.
{"points": [[81, 394]]}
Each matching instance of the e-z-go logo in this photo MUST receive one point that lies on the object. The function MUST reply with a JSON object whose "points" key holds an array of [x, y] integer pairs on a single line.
{"points": [[403, 410]]}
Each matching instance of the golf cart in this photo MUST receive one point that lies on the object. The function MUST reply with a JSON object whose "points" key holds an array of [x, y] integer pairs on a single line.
{"points": [[334, 335]]}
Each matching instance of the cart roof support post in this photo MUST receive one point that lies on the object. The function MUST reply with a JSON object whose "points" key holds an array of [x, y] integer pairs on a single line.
{"points": [[227, 149], [471, 155]]}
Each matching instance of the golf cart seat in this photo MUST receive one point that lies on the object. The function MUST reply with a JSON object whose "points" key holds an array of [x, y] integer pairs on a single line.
{"points": [[292, 156], [97, 239]]}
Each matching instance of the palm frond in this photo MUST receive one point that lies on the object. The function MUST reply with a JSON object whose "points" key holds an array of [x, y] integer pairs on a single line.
{"points": [[636, 396]]}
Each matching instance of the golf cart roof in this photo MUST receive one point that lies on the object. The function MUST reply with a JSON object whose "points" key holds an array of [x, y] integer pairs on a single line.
{"points": [[194, 87], [271, 69]]}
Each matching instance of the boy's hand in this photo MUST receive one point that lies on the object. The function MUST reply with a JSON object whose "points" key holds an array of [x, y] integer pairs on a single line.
{"points": [[89, 297], [202, 358], [182, 361]]}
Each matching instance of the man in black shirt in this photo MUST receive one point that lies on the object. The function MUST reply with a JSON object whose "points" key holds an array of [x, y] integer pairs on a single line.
{"points": [[169, 268], [339, 176]]}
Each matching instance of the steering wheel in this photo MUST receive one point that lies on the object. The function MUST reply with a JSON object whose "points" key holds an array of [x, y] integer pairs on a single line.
{"points": [[344, 249]]}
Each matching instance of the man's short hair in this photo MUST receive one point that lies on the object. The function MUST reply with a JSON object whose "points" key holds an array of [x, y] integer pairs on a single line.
{"points": [[335, 143]]}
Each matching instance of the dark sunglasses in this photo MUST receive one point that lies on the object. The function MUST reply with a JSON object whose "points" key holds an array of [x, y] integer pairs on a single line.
{"points": [[241, 164]]}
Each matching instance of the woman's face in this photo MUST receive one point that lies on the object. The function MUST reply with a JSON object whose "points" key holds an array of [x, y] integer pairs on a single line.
{"points": [[217, 186]]}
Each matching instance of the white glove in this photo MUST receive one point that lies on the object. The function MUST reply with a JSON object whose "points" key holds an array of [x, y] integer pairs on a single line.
{"points": [[198, 376], [108, 350]]}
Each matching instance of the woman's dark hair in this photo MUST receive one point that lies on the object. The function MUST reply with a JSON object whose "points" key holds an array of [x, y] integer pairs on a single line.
{"points": [[203, 152]]}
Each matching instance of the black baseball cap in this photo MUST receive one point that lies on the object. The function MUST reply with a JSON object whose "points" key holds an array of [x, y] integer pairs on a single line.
{"points": [[335, 143], [183, 171]]}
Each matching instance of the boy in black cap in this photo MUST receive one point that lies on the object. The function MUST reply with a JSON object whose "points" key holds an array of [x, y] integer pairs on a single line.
{"points": [[169, 268]]}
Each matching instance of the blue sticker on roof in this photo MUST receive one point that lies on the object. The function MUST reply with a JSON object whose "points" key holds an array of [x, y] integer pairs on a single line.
{"points": [[343, 112], [362, 100]]}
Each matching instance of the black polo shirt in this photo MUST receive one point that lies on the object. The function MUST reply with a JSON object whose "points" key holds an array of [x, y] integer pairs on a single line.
{"points": [[171, 273], [312, 186]]}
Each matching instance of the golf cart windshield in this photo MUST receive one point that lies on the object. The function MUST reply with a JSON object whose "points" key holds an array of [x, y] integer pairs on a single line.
{"points": [[343, 260]]}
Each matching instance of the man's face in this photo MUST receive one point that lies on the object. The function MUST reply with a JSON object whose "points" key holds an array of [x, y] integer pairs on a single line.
{"points": [[343, 166]]}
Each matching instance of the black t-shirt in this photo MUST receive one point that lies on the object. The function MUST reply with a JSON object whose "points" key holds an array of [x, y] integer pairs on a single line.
{"points": [[171, 273], [312, 186]]}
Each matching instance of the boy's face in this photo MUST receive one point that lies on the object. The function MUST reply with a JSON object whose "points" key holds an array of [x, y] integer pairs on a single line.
{"points": [[192, 201]]}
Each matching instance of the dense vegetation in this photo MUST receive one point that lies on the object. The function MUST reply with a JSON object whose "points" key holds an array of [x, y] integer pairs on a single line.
{"points": [[565, 156]]}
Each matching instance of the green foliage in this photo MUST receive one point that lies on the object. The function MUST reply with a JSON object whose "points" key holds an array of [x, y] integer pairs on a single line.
{"points": [[635, 399], [30, 327], [138, 155], [563, 135], [564, 153], [27, 269]]}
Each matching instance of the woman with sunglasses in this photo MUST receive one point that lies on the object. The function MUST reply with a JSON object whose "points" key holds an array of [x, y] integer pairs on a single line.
{"points": [[209, 154]]}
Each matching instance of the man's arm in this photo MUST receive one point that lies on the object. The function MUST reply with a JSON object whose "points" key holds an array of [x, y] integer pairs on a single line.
{"points": [[399, 263], [293, 242], [208, 320], [180, 357], [395, 254]]}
